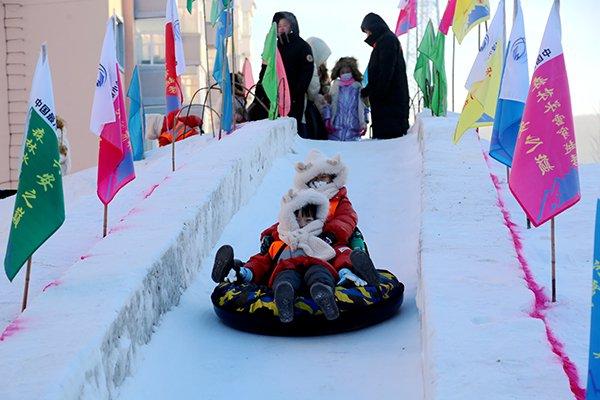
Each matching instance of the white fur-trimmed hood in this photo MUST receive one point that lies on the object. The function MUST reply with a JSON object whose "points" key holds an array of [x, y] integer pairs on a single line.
{"points": [[304, 238], [317, 163]]}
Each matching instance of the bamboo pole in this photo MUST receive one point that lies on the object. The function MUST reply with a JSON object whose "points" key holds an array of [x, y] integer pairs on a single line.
{"points": [[208, 81], [553, 258], [105, 223], [233, 63], [453, 64], [26, 288]]}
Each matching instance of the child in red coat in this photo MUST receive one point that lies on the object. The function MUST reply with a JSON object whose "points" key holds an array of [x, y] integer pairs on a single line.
{"points": [[298, 256], [328, 176]]}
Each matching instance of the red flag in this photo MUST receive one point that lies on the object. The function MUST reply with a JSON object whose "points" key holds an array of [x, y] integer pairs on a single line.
{"points": [[448, 16]]}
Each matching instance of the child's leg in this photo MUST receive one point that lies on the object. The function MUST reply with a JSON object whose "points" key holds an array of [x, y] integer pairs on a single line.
{"points": [[322, 286], [223, 263], [285, 285]]}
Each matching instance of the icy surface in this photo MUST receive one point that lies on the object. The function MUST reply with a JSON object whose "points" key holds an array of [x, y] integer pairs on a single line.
{"points": [[192, 355], [79, 337]]}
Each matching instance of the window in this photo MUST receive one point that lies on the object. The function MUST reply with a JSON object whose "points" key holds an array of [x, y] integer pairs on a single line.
{"points": [[150, 41]]}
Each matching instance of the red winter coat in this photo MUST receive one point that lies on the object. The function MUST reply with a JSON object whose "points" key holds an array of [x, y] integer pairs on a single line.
{"points": [[341, 221], [266, 266]]}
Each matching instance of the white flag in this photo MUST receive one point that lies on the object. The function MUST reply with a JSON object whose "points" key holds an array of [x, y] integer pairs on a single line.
{"points": [[103, 110], [515, 81]]}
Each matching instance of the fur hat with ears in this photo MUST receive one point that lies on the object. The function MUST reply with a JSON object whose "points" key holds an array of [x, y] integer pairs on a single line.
{"points": [[317, 163], [304, 238]]}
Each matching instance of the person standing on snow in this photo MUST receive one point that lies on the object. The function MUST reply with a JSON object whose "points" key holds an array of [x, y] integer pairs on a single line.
{"points": [[317, 90], [387, 89], [298, 63], [346, 118]]}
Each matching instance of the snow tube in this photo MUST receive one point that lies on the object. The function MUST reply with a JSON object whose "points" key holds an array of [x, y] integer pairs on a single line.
{"points": [[251, 308]]}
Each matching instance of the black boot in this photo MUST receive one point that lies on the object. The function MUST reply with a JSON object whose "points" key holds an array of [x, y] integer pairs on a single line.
{"points": [[325, 299], [364, 268], [284, 300], [223, 263]]}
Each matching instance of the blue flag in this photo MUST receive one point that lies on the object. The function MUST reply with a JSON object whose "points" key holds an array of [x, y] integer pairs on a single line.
{"points": [[221, 72], [593, 384], [365, 80], [513, 94], [137, 117]]}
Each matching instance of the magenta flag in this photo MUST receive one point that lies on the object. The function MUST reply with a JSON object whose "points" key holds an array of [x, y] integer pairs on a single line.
{"points": [[407, 19], [115, 159], [448, 16], [109, 122], [248, 75], [544, 177], [285, 101]]}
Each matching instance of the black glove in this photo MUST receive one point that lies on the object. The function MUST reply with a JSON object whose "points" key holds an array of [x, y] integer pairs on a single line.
{"points": [[328, 238], [265, 244]]}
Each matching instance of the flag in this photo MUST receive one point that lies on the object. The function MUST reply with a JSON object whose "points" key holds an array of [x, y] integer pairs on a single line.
{"points": [[513, 93], [448, 16], [189, 5], [137, 118], [365, 80], [545, 177], [283, 87], [221, 72], [467, 14], [39, 203], [407, 19], [216, 9], [422, 73], [174, 63], [593, 382], [248, 75], [115, 161], [484, 79], [269, 81], [439, 97]]}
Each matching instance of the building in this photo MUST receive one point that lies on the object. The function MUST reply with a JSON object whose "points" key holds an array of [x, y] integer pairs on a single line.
{"points": [[74, 30]]}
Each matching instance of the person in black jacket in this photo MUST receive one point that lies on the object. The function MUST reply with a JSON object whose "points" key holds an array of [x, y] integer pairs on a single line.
{"points": [[387, 88], [298, 62]]}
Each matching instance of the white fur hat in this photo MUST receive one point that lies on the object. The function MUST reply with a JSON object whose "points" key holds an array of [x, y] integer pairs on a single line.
{"points": [[317, 163]]}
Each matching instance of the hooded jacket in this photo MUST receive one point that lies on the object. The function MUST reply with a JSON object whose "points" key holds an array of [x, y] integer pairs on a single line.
{"points": [[387, 89], [298, 62]]}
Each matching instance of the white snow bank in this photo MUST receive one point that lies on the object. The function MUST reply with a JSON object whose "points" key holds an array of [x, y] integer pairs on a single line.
{"points": [[79, 338], [479, 341]]}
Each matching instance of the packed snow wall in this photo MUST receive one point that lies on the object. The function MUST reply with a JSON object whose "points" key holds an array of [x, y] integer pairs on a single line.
{"points": [[79, 339], [479, 339]]}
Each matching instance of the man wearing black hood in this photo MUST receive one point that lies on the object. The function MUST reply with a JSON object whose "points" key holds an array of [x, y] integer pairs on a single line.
{"points": [[298, 62], [387, 89]]}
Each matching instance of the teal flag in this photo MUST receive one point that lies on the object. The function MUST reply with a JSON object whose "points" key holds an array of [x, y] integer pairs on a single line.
{"points": [[593, 383], [136, 120]]}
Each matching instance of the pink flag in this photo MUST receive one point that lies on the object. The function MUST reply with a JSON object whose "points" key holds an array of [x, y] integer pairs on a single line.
{"points": [[285, 101], [109, 121], [248, 76], [408, 16], [448, 16], [545, 177]]}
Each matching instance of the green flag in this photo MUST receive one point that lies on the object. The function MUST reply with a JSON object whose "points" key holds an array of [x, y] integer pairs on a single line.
{"points": [[269, 81], [440, 86], [39, 206], [189, 5], [422, 72]]}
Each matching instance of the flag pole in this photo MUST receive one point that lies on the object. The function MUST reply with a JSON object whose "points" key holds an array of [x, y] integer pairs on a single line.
{"points": [[453, 63], [26, 288], [208, 81], [105, 223], [233, 62], [173, 139], [553, 258]]}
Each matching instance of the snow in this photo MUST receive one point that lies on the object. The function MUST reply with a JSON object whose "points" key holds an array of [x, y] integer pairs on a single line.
{"points": [[79, 337], [193, 355], [129, 316], [479, 340]]}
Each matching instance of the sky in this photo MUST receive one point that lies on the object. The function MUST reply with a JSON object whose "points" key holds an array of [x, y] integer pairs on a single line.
{"points": [[338, 23]]}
